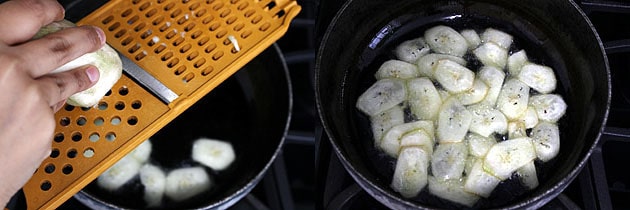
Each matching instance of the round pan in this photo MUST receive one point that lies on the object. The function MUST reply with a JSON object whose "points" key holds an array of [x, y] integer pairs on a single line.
{"points": [[555, 33], [251, 110]]}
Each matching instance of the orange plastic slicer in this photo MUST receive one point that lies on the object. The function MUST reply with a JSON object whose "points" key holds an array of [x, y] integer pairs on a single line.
{"points": [[185, 47]]}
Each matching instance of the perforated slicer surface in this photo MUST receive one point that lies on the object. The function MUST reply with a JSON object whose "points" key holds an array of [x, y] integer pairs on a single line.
{"points": [[178, 51]]}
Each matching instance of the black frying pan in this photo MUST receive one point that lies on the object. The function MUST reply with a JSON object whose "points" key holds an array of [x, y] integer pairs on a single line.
{"points": [[555, 33]]}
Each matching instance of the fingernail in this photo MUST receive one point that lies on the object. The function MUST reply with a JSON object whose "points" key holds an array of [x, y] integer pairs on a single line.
{"points": [[92, 73], [101, 34]]}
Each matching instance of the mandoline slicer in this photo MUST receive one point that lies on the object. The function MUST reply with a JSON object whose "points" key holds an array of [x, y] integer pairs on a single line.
{"points": [[174, 52]]}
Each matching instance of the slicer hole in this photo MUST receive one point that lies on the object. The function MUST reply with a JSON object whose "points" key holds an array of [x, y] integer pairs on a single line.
{"points": [[109, 92], [94, 137], [158, 20], [217, 6], [69, 108], [280, 13], [146, 34], [67, 169], [160, 48], [126, 41], [161, 1], [135, 1], [81, 121], [206, 71], [65, 121], [192, 56], [58, 137], [167, 56], [114, 26], [99, 121], [221, 34], [85, 109], [54, 153], [234, 1], [242, 6], [182, 20], [134, 48], [189, 27], [176, 13], [115, 120], [264, 27], [194, 6], [238, 27], [180, 70], [72, 153], [225, 13], [123, 91], [200, 62], [249, 13], [195, 34], [207, 19], [107, 20], [76, 136], [136, 105], [217, 55], [173, 63], [50, 168], [126, 13], [214, 26], [110, 136], [256, 19], [169, 6], [246, 34], [102, 106], [120, 33], [203, 41], [170, 35], [231, 20], [185, 48], [150, 13], [133, 20], [210, 48], [188, 78], [132, 120], [271, 5], [88, 153], [119, 105], [45, 186], [144, 6], [141, 55]]}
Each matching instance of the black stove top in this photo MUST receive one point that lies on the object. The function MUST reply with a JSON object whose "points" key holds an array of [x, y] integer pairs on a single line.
{"points": [[308, 175]]}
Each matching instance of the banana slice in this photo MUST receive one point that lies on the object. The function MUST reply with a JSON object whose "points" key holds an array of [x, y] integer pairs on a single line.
{"points": [[493, 77], [472, 38], [487, 120], [418, 138], [507, 156], [498, 37], [382, 95], [396, 69], [516, 61], [426, 64], [215, 154], [453, 77], [478, 145], [444, 94], [516, 129], [410, 175], [185, 183], [453, 121], [538, 77], [449, 160], [445, 40], [452, 190], [383, 121], [119, 174], [142, 152], [546, 138], [475, 94], [530, 118], [154, 181], [549, 107], [479, 181], [390, 144], [424, 99], [528, 175], [491, 54], [513, 98], [469, 163], [410, 50]]}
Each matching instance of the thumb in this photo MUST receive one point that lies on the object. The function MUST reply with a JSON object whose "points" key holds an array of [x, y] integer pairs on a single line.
{"points": [[60, 86]]}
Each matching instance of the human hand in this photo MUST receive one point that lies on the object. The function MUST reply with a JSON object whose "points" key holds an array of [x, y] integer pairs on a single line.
{"points": [[30, 96]]}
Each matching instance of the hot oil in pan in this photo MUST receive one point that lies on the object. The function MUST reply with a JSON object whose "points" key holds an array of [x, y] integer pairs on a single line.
{"points": [[223, 114], [538, 48]]}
